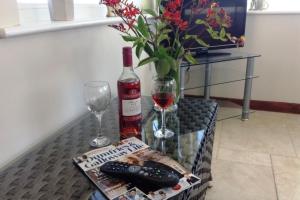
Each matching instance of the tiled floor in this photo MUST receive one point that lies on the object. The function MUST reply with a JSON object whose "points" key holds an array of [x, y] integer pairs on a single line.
{"points": [[257, 159]]}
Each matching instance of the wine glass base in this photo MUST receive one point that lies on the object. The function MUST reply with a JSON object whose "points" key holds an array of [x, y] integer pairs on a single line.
{"points": [[100, 141], [166, 134]]}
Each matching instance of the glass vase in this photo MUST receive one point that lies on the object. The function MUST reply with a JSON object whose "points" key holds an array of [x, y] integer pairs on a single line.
{"points": [[175, 74]]}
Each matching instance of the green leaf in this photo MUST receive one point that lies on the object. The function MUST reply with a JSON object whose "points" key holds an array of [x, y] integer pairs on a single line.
{"points": [[200, 21], [142, 27], [200, 41], [165, 31], [173, 63], [129, 38], [188, 56], [147, 60], [139, 49], [150, 12], [197, 39], [161, 26], [213, 34], [158, 2], [218, 19], [228, 35], [162, 67], [161, 38], [136, 42], [223, 36], [179, 52], [162, 52], [187, 37], [223, 33], [149, 50]]}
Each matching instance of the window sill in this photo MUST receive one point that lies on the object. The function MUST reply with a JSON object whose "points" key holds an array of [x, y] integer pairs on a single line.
{"points": [[273, 12], [54, 26]]}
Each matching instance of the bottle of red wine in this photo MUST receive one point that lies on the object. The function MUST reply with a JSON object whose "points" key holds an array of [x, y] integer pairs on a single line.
{"points": [[129, 92]]}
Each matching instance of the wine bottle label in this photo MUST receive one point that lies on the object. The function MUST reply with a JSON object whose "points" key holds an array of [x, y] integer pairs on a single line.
{"points": [[131, 107]]}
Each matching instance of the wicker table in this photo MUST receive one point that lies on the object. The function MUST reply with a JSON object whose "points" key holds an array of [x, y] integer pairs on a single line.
{"points": [[48, 172]]}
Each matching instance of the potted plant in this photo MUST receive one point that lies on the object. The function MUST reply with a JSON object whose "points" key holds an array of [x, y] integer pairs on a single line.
{"points": [[163, 36]]}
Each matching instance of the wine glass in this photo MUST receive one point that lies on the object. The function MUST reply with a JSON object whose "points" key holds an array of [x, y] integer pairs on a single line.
{"points": [[163, 94], [97, 97]]}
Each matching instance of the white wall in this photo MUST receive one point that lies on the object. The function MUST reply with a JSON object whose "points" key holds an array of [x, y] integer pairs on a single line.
{"points": [[41, 78], [276, 38]]}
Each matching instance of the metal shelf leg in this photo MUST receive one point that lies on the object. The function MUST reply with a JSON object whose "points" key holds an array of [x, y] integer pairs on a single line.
{"points": [[207, 80], [182, 81], [247, 89]]}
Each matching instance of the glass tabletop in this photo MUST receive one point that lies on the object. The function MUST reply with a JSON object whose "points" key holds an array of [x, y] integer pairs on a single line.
{"points": [[47, 171], [182, 147], [190, 123], [215, 57]]}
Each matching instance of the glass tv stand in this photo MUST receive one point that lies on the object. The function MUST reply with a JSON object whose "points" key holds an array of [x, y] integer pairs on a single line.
{"points": [[209, 60]]}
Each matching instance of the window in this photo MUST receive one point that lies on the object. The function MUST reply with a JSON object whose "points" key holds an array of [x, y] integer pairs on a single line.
{"points": [[33, 1], [45, 1], [35, 11], [287, 5]]}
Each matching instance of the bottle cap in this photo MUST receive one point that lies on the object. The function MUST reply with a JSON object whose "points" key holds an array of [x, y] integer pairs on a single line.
{"points": [[127, 56]]}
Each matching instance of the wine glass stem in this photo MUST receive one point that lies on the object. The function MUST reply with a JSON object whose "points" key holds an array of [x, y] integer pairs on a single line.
{"points": [[99, 117], [163, 121]]}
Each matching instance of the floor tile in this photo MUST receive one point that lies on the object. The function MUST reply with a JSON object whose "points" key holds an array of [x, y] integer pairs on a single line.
{"points": [[293, 122], [217, 138], [263, 133], [287, 177], [245, 157], [295, 137], [237, 181]]}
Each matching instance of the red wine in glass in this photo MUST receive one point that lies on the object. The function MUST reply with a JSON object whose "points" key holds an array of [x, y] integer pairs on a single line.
{"points": [[163, 94], [163, 100]]}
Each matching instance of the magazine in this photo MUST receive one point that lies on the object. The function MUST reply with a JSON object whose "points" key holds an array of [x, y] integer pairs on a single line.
{"points": [[132, 151]]}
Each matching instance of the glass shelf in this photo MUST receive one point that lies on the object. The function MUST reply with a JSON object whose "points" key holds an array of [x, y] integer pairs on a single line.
{"points": [[210, 71], [229, 110], [218, 83], [215, 57]]}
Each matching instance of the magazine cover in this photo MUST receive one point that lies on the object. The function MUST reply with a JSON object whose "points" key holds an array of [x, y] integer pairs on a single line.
{"points": [[132, 151]]}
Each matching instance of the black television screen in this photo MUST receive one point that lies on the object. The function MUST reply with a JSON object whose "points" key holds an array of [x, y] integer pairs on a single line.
{"points": [[236, 9]]}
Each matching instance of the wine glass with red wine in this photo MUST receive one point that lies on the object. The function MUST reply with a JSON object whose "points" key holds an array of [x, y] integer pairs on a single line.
{"points": [[163, 94], [97, 97]]}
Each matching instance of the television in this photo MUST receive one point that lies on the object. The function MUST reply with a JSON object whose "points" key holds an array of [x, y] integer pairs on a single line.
{"points": [[236, 9]]}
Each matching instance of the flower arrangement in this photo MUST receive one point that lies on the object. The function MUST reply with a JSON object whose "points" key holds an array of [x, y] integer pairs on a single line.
{"points": [[164, 36]]}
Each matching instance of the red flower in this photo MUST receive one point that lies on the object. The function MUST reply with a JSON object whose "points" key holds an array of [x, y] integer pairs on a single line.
{"points": [[111, 3], [222, 12], [172, 14], [214, 5], [210, 12], [213, 23], [203, 2], [183, 25], [119, 27], [130, 11]]}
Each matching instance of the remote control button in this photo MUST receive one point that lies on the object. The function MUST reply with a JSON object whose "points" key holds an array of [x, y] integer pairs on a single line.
{"points": [[141, 172], [133, 169], [146, 174]]}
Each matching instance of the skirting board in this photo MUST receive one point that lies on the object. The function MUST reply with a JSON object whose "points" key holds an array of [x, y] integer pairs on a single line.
{"points": [[263, 105]]}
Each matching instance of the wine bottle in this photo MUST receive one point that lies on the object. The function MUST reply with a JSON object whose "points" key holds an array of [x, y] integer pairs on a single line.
{"points": [[129, 93]]}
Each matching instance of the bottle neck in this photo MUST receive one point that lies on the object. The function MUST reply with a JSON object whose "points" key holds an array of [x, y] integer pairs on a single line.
{"points": [[127, 69]]}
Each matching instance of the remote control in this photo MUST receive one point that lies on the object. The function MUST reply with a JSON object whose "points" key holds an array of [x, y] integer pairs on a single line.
{"points": [[150, 174]]}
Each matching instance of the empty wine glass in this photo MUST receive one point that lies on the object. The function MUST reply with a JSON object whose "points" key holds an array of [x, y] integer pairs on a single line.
{"points": [[97, 97], [163, 94]]}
